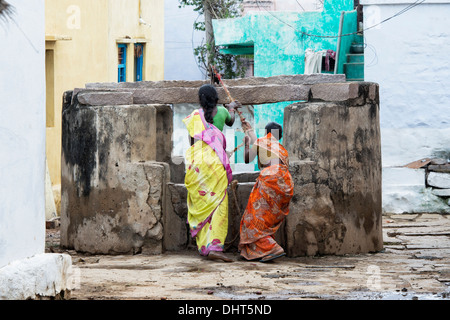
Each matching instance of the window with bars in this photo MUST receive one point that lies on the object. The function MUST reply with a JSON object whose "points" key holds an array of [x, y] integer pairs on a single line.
{"points": [[138, 61], [122, 66]]}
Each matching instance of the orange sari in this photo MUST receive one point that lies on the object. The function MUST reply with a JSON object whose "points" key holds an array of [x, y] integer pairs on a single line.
{"points": [[267, 206]]}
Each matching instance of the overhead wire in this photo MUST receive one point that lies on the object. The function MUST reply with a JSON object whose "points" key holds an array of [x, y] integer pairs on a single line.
{"points": [[192, 44], [300, 5], [407, 8]]}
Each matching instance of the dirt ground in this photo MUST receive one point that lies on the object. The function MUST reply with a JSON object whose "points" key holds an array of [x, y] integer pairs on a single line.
{"points": [[414, 265]]}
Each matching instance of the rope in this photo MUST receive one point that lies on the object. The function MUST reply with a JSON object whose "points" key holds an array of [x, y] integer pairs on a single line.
{"points": [[234, 185]]}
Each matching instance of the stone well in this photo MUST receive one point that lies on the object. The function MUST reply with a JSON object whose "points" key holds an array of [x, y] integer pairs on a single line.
{"points": [[122, 193]]}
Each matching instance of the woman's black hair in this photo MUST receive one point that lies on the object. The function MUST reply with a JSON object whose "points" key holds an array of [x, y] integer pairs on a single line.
{"points": [[208, 100], [275, 129]]}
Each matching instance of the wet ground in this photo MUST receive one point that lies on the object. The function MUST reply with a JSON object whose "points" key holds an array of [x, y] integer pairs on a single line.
{"points": [[414, 265]]}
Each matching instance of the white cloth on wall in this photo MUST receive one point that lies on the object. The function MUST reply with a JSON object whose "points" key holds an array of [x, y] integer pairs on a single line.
{"points": [[313, 61]]}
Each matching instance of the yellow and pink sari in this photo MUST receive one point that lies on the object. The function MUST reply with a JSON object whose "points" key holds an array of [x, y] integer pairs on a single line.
{"points": [[268, 205], [208, 174]]}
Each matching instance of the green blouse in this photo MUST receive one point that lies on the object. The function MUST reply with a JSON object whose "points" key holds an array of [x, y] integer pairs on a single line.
{"points": [[222, 117]]}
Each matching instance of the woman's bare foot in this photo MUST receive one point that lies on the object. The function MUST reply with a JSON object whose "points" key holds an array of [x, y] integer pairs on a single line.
{"points": [[217, 255], [273, 256]]}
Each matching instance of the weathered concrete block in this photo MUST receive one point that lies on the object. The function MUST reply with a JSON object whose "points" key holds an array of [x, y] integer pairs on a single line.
{"points": [[335, 91], [335, 152], [112, 190], [124, 217], [109, 98], [176, 230]]}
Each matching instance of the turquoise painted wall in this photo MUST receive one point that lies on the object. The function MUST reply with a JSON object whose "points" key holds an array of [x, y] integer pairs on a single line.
{"points": [[350, 25], [280, 40], [279, 44]]}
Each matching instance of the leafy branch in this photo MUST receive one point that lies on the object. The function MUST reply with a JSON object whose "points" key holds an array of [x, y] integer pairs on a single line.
{"points": [[230, 66], [6, 10]]}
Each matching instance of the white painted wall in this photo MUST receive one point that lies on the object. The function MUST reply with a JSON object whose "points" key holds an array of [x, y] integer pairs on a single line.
{"points": [[180, 41], [298, 5], [282, 5], [22, 132], [408, 57]]}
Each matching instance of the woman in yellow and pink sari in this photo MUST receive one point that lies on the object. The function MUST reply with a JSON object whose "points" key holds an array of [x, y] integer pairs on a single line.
{"points": [[208, 174]]}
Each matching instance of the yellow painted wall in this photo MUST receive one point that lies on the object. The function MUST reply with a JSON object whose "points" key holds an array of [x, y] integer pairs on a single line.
{"points": [[83, 35]]}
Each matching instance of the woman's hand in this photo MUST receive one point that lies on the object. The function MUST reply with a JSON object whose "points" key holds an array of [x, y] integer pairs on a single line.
{"points": [[246, 126], [233, 105], [249, 133]]}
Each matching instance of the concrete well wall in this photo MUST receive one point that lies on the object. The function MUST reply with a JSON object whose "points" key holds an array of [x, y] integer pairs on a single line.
{"points": [[112, 186], [336, 165]]}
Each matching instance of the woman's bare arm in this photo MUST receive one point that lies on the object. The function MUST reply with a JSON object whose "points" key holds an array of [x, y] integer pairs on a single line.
{"points": [[249, 153]]}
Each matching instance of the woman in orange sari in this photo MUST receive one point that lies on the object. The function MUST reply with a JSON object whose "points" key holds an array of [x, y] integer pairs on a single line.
{"points": [[269, 200]]}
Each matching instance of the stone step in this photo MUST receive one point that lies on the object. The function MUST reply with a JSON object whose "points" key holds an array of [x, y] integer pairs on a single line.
{"points": [[441, 192], [354, 70], [445, 168], [355, 58], [359, 38]]}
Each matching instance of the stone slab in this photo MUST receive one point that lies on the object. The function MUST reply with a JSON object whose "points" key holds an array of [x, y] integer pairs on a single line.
{"points": [[251, 94], [439, 180], [250, 81], [110, 98], [248, 91], [441, 192], [247, 95], [439, 168]]}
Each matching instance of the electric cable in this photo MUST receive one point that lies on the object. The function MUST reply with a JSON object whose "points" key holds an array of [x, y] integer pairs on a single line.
{"points": [[300, 5], [409, 7]]}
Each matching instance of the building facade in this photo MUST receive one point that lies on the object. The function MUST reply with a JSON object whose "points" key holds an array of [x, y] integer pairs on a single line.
{"points": [[97, 41], [22, 158], [181, 39], [407, 56]]}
